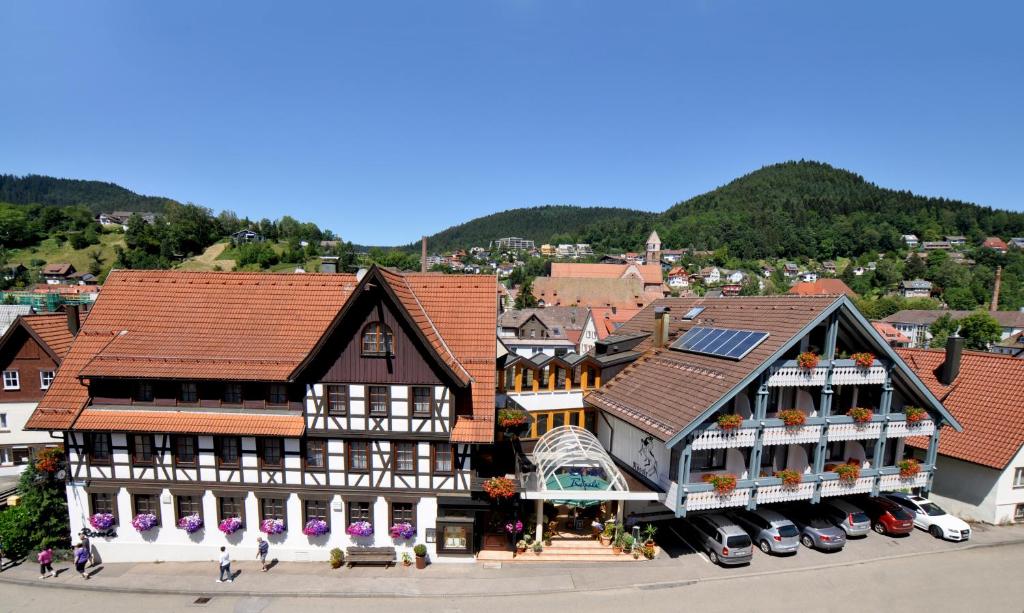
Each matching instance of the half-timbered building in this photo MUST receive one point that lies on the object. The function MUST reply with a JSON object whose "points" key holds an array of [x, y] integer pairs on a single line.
{"points": [[278, 398]]}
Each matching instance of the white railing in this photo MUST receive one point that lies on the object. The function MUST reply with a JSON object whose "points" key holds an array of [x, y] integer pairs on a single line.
{"points": [[782, 493], [896, 482], [794, 376], [851, 432], [718, 439], [842, 488], [901, 428], [711, 500], [785, 435], [855, 375]]}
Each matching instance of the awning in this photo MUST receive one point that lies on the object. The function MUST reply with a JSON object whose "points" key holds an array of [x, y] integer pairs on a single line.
{"points": [[547, 401]]}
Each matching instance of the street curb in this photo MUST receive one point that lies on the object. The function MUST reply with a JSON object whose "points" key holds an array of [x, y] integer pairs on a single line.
{"points": [[657, 585]]}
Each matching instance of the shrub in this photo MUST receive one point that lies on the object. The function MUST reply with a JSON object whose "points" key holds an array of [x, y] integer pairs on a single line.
{"points": [[420, 550], [808, 360], [792, 417], [860, 415], [16, 532], [729, 422], [337, 558]]}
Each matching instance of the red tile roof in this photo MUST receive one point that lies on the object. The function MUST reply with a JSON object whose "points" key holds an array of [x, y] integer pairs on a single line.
{"points": [[190, 422], [650, 273], [890, 333], [52, 330], [986, 399], [822, 287], [994, 242]]}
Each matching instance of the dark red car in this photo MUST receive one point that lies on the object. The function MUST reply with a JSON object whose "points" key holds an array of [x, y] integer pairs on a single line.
{"points": [[887, 517]]}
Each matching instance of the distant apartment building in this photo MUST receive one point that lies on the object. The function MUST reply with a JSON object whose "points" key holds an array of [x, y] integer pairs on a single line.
{"points": [[956, 241], [513, 242], [936, 246]]}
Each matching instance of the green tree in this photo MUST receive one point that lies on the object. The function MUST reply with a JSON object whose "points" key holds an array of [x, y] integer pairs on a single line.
{"points": [[940, 330], [95, 261], [960, 299], [525, 298], [16, 532], [980, 330], [44, 499], [914, 268]]}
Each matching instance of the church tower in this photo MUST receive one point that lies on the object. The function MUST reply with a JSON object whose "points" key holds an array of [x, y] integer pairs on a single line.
{"points": [[653, 248]]}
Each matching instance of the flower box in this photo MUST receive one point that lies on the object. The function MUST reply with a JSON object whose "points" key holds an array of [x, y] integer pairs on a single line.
{"points": [[790, 478], [729, 422], [792, 417], [863, 360], [915, 415], [908, 468], [808, 360], [723, 484], [860, 415], [360, 528], [848, 473], [101, 521], [191, 523], [316, 527], [272, 526], [500, 488], [402, 530], [230, 525], [512, 418], [144, 522]]}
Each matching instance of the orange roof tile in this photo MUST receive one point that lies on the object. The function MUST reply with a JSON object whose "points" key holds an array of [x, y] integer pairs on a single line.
{"points": [[191, 422], [52, 329], [890, 333], [986, 399], [822, 287], [650, 273]]}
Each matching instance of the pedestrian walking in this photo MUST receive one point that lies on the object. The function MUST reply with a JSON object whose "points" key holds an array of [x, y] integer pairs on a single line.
{"points": [[45, 558], [81, 559], [84, 539], [262, 549], [225, 566]]}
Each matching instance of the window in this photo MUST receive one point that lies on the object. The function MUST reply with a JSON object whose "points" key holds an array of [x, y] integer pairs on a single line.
{"points": [[232, 393], [270, 452], [455, 538], [230, 506], [142, 448], [358, 456], [316, 454], [835, 451], [189, 505], [377, 340], [146, 503], [11, 380], [188, 392], [99, 448], [3, 421], [144, 391], [102, 502], [708, 459], [278, 394], [228, 451], [443, 459], [315, 509], [422, 401], [405, 457], [45, 379], [185, 450], [359, 510], [1018, 477], [379, 400], [272, 508], [337, 399], [403, 512], [1018, 513]]}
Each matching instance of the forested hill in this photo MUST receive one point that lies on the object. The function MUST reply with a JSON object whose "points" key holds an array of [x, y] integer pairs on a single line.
{"points": [[603, 227], [785, 210], [96, 195]]}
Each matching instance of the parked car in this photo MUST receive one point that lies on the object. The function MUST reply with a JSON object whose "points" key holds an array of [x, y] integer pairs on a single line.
{"points": [[850, 518], [930, 516], [816, 530], [887, 517], [725, 543], [770, 531]]}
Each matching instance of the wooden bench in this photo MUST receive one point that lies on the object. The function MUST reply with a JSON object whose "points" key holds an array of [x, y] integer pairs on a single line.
{"points": [[371, 555]]}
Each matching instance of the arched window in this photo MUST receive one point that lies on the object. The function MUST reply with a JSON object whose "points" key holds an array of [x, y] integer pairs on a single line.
{"points": [[377, 339]]}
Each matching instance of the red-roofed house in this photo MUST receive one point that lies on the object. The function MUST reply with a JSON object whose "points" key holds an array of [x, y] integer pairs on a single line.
{"points": [[293, 397], [995, 243], [980, 471], [822, 287], [894, 337]]}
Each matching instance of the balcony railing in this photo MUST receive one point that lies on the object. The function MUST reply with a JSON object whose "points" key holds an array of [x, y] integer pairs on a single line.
{"points": [[854, 431], [789, 435], [896, 482], [835, 487], [716, 438], [902, 428], [844, 372]]}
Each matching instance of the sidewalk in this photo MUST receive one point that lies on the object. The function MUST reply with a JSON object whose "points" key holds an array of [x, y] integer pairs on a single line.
{"points": [[309, 579]]}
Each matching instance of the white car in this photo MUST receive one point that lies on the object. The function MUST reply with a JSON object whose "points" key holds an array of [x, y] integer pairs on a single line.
{"points": [[930, 516]]}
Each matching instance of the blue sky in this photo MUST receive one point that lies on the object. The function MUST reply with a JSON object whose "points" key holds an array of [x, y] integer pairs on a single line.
{"points": [[386, 120]]}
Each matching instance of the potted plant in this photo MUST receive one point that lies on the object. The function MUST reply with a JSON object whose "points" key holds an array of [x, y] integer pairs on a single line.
{"points": [[512, 420], [863, 359], [790, 478], [908, 468], [617, 544], [860, 415], [421, 555], [607, 533], [101, 521], [144, 522], [547, 538], [627, 542], [915, 415], [537, 548], [723, 484], [807, 360], [729, 422], [500, 488], [649, 531], [848, 473], [649, 552], [406, 559], [337, 558], [792, 418], [360, 528], [521, 546]]}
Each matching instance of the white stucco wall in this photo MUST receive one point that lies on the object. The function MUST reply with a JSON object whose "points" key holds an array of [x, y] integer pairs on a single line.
{"points": [[14, 435], [643, 452], [1007, 496], [965, 489]]}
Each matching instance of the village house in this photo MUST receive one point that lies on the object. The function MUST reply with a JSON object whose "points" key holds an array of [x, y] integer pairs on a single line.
{"points": [[1012, 346], [980, 471], [996, 244], [915, 323], [711, 275], [808, 277], [1017, 242], [513, 243], [552, 330], [894, 337], [601, 323], [915, 288], [910, 240], [767, 271], [790, 269], [678, 278], [57, 273], [322, 409], [936, 246], [648, 274], [822, 287], [246, 236], [956, 241], [671, 256], [829, 267], [590, 292]]}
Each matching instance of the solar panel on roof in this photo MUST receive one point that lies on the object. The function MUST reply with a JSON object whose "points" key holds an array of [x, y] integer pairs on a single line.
{"points": [[719, 342], [693, 313]]}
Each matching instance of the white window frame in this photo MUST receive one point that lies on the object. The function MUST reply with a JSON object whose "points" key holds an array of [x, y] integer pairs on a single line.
{"points": [[43, 383], [16, 385], [1018, 477]]}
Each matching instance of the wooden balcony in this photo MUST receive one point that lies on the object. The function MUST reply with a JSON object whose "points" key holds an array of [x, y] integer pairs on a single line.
{"points": [[844, 372]]}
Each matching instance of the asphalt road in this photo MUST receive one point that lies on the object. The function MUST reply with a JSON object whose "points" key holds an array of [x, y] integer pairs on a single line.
{"points": [[985, 579]]}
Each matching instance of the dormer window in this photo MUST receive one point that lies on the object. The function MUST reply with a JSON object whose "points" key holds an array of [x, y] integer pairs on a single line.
{"points": [[377, 340]]}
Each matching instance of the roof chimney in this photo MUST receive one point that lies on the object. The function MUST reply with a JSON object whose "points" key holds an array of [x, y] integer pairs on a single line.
{"points": [[423, 254], [73, 321], [995, 289], [662, 316], [951, 367]]}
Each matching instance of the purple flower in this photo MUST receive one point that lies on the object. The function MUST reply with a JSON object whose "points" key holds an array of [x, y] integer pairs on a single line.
{"points": [[101, 521], [403, 530], [144, 522], [190, 523], [316, 527], [514, 528], [230, 525], [360, 528], [272, 526]]}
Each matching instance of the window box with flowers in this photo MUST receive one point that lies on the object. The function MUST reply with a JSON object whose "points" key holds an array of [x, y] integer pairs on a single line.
{"points": [[860, 415], [402, 530], [144, 522], [360, 529], [863, 359], [790, 478], [191, 523], [512, 419], [730, 422], [316, 527], [908, 468], [808, 360], [230, 525], [848, 473], [500, 488], [792, 418], [915, 415], [102, 521], [272, 526], [723, 483]]}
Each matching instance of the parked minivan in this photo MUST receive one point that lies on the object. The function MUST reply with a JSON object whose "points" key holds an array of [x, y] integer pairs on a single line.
{"points": [[771, 532], [725, 543], [853, 520], [816, 530]]}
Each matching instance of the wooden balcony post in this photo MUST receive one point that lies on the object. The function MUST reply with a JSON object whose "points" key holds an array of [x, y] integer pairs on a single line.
{"points": [[584, 372], [825, 404], [536, 381], [760, 410], [683, 476], [551, 377], [568, 379], [519, 377]]}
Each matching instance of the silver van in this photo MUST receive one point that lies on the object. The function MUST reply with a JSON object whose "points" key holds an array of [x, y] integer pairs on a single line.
{"points": [[725, 543], [771, 532], [853, 520]]}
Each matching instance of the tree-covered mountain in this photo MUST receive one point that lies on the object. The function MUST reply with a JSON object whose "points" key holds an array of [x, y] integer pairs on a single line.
{"points": [[98, 196]]}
